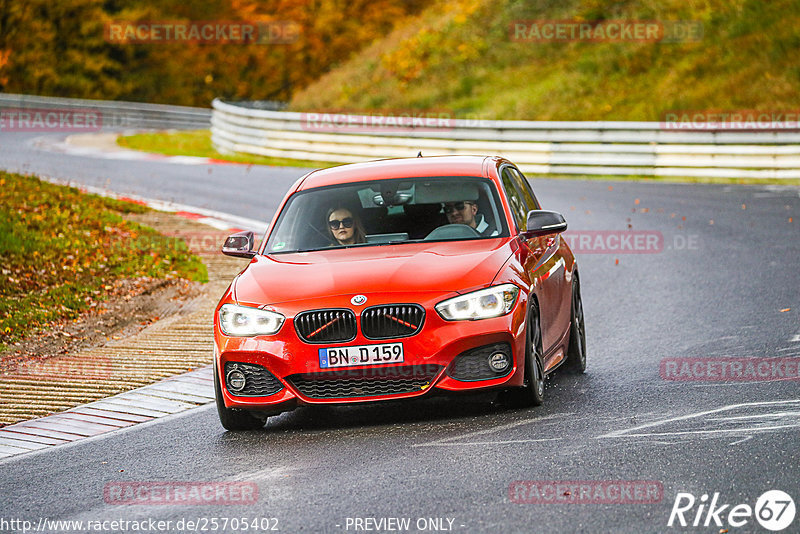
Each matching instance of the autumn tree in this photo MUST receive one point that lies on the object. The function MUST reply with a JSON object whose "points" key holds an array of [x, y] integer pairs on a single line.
{"points": [[59, 48]]}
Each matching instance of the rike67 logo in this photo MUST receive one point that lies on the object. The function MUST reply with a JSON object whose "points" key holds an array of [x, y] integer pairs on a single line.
{"points": [[774, 510]]}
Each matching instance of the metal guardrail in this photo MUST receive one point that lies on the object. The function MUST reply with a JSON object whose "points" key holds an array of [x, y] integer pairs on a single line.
{"points": [[603, 148], [118, 115]]}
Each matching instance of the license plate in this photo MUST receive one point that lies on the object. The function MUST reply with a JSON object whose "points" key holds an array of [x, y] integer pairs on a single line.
{"points": [[360, 355]]}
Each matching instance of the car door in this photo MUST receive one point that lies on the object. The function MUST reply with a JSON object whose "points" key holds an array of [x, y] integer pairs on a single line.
{"points": [[564, 308], [540, 258]]}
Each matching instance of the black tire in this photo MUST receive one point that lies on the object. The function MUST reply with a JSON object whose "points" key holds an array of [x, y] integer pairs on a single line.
{"points": [[576, 353], [532, 392], [231, 418]]}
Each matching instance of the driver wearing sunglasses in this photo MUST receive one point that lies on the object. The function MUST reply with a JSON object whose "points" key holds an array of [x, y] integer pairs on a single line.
{"points": [[466, 212], [344, 227]]}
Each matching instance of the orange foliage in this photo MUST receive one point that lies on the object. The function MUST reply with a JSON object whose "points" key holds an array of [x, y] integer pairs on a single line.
{"points": [[67, 54]]}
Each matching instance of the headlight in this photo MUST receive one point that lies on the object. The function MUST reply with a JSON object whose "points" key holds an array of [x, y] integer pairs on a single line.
{"points": [[237, 320], [483, 304]]}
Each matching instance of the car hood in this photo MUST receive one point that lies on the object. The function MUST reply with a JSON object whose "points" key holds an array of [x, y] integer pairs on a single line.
{"points": [[415, 267]]}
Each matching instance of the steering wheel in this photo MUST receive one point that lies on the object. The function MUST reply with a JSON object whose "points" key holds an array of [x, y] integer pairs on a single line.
{"points": [[453, 231]]}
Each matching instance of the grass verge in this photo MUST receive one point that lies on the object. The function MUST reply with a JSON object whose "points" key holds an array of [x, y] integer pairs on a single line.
{"points": [[198, 143], [467, 57], [60, 249]]}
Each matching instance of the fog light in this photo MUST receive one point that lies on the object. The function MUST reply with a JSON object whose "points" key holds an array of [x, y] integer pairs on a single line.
{"points": [[499, 362], [236, 380], [488, 362]]}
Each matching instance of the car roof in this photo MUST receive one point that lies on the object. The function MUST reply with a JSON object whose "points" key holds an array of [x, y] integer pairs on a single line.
{"points": [[397, 168]]}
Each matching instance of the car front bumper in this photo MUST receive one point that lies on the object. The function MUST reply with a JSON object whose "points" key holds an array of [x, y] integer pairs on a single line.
{"points": [[295, 376]]}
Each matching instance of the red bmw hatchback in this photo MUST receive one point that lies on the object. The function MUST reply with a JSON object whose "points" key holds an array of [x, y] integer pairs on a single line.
{"points": [[394, 279]]}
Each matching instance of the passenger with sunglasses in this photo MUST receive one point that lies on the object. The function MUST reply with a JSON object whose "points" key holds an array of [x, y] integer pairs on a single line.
{"points": [[466, 212], [344, 227]]}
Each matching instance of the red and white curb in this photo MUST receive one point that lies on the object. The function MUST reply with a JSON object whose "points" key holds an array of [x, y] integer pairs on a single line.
{"points": [[216, 219], [74, 146], [169, 396]]}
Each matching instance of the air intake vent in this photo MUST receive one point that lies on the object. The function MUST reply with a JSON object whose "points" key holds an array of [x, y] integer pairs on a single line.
{"points": [[325, 326], [352, 383], [258, 382], [474, 364], [391, 321]]}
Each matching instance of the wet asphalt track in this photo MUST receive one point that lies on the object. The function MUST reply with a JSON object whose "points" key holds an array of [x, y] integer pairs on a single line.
{"points": [[715, 290]]}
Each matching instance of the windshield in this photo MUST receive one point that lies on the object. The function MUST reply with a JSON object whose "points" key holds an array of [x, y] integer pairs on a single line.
{"points": [[389, 212]]}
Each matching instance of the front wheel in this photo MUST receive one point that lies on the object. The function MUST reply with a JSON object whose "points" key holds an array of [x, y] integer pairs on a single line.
{"points": [[532, 391], [231, 418], [576, 353]]}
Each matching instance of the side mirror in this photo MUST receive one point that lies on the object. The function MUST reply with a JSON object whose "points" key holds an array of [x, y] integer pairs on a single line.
{"points": [[542, 222], [240, 245]]}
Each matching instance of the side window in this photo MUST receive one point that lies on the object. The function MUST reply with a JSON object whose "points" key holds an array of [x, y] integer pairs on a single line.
{"points": [[519, 207], [525, 189]]}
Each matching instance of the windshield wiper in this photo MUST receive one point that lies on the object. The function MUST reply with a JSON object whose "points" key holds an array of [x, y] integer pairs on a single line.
{"points": [[295, 250], [401, 241]]}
